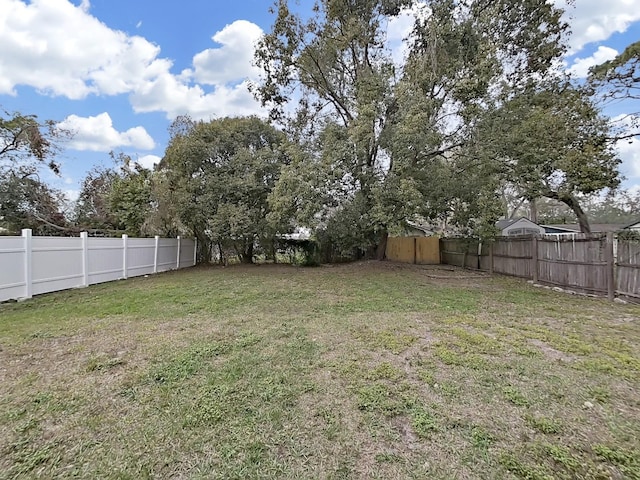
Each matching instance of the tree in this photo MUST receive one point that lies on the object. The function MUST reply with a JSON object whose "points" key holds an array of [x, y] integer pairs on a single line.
{"points": [[379, 133], [220, 174], [129, 197], [338, 64], [26, 202], [92, 209], [621, 76], [551, 142], [619, 79], [24, 139]]}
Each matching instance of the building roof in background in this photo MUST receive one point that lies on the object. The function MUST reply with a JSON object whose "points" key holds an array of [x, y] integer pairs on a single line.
{"points": [[502, 224], [632, 224], [595, 227]]}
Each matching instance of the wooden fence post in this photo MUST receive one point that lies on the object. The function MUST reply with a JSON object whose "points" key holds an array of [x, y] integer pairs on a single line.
{"points": [[415, 250], [28, 270], [611, 276], [534, 258], [491, 257]]}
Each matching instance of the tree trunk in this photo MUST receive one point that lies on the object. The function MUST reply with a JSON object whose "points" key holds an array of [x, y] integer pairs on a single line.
{"points": [[221, 253], [247, 254], [381, 249], [572, 202], [583, 221], [533, 210], [204, 249]]}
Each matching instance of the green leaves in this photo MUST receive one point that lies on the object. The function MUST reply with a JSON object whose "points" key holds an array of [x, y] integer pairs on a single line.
{"points": [[220, 174], [23, 139]]}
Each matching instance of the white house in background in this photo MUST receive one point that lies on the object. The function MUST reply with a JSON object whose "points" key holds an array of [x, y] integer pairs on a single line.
{"points": [[633, 226], [518, 226], [413, 229]]}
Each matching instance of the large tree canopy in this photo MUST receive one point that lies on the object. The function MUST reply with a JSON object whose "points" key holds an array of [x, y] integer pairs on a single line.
{"points": [[620, 76], [382, 134], [25, 142], [220, 174], [620, 79], [26, 202], [550, 142]]}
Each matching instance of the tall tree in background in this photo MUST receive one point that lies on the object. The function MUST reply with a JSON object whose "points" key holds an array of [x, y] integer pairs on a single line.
{"points": [[338, 64], [551, 141], [385, 136], [129, 197], [465, 59], [620, 79], [26, 202], [116, 200], [26, 143], [92, 209], [220, 174]]}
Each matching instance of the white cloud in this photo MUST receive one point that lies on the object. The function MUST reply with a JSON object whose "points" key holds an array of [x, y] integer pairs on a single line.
{"points": [[399, 30], [166, 93], [97, 134], [60, 49], [234, 60], [629, 149], [597, 20], [72, 195], [581, 66], [148, 161]]}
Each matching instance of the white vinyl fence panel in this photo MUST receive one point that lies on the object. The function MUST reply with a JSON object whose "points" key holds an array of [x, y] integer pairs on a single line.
{"points": [[34, 265]]}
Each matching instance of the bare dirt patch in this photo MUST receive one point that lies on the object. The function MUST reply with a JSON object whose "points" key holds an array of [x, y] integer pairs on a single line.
{"points": [[551, 352]]}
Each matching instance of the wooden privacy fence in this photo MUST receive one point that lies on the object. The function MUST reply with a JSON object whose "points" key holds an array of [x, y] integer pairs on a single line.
{"points": [[596, 264], [418, 250], [34, 265]]}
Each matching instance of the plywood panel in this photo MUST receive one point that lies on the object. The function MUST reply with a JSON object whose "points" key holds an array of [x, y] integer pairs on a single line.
{"points": [[401, 249], [427, 250]]}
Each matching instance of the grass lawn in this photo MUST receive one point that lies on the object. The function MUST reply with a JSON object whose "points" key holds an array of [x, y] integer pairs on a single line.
{"points": [[368, 370]]}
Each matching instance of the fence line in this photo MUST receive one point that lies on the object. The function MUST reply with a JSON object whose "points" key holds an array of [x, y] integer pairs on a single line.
{"points": [[417, 250], [595, 264], [33, 265]]}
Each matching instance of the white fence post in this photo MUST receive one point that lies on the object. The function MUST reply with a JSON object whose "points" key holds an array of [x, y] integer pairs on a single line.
{"points": [[28, 271], [178, 255], [125, 244], [155, 258], [195, 251], [85, 258]]}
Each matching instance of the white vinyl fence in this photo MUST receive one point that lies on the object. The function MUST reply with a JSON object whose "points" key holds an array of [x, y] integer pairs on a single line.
{"points": [[34, 265]]}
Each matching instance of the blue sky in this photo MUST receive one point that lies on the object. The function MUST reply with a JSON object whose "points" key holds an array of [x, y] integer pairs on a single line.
{"points": [[117, 72]]}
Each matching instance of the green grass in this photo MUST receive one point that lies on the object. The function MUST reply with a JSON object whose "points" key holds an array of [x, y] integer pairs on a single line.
{"points": [[368, 370]]}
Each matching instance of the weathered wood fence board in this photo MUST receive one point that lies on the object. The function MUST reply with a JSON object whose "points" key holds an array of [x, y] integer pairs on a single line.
{"points": [[628, 269], [418, 250], [513, 257], [576, 263], [583, 263]]}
